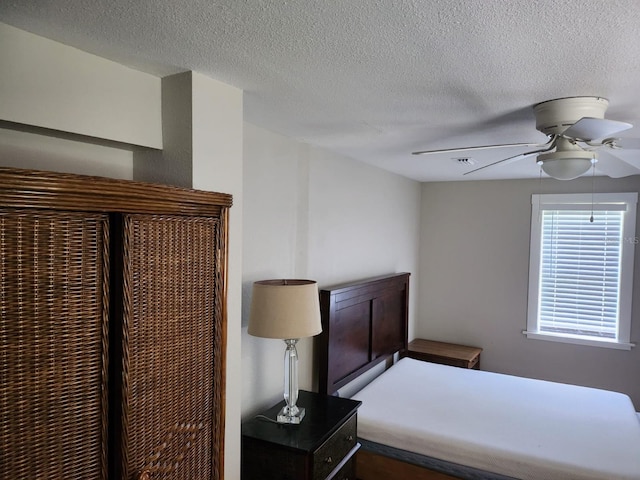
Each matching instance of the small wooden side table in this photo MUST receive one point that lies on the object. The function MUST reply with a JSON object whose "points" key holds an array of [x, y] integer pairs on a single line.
{"points": [[445, 353], [322, 447]]}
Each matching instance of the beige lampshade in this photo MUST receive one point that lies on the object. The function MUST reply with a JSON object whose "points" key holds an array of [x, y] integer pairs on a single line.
{"points": [[285, 309]]}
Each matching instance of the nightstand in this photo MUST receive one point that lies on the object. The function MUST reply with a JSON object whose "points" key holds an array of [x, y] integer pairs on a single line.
{"points": [[321, 447], [445, 353]]}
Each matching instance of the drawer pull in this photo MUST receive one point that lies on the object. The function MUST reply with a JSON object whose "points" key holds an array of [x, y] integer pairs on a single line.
{"points": [[328, 460]]}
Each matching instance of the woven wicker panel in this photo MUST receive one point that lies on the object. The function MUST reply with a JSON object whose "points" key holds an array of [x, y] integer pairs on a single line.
{"points": [[171, 325], [53, 344]]}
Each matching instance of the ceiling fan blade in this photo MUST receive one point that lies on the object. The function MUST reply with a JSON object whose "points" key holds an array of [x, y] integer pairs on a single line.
{"points": [[588, 128], [614, 166], [628, 143], [514, 158], [550, 145], [481, 147]]}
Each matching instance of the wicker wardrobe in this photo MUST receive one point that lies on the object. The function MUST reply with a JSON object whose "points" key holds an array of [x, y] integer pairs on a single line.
{"points": [[112, 328]]}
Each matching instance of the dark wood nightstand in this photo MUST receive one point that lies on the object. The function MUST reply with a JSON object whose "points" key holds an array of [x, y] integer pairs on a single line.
{"points": [[321, 447], [445, 353]]}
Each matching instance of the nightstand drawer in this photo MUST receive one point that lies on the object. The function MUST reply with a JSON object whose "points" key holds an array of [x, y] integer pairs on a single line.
{"points": [[333, 451]]}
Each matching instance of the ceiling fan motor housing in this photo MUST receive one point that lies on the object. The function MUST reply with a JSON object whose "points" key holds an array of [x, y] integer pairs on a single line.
{"points": [[553, 117]]}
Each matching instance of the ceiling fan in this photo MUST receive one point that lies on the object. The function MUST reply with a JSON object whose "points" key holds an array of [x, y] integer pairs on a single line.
{"points": [[578, 136]]}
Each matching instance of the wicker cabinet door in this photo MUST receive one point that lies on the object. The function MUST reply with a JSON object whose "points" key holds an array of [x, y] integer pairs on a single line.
{"points": [[53, 344], [171, 318]]}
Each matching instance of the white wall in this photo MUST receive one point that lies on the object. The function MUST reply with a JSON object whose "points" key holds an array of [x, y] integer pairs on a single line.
{"points": [[21, 149], [312, 214], [272, 191], [172, 164], [217, 135], [474, 281], [363, 221], [47, 84]]}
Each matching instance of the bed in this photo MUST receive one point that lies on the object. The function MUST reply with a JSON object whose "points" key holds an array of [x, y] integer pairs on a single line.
{"points": [[427, 421]]}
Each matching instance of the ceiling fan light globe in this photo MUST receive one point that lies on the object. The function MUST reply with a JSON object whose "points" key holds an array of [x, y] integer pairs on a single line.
{"points": [[566, 165]]}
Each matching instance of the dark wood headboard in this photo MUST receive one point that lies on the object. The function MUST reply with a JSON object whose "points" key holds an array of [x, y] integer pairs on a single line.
{"points": [[363, 324]]}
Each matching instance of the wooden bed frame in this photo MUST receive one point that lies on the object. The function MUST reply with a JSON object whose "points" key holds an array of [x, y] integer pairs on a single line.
{"points": [[363, 324]]}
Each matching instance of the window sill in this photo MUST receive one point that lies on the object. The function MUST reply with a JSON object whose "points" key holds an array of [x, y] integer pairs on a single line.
{"points": [[580, 341]]}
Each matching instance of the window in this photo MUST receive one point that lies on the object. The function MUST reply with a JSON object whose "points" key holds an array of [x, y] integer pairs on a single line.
{"points": [[581, 271]]}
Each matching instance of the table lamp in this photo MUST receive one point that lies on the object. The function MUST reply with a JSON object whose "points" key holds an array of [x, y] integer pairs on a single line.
{"points": [[289, 310]]}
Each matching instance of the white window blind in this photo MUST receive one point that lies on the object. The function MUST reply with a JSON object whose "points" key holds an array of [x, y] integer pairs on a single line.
{"points": [[581, 271]]}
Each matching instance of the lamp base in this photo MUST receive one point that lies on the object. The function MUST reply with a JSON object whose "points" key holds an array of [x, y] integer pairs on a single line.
{"points": [[287, 416]]}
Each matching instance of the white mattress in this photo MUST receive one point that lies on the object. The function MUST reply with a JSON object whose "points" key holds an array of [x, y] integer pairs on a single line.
{"points": [[519, 427]]}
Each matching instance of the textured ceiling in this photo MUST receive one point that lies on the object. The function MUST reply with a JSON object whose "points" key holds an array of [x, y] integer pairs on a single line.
{"points": [[375, 79]]}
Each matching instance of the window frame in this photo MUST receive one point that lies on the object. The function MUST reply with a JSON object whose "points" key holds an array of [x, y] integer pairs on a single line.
{"points": [[599, 201]]}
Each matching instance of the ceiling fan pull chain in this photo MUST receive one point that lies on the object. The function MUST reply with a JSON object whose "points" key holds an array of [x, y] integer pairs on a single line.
{"points": [[539, 191], [593, 182]]}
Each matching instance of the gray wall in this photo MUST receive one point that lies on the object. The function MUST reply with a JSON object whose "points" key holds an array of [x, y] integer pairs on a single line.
{"points": [[474, 264]]}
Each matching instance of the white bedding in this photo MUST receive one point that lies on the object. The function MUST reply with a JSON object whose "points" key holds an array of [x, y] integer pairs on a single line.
{"points": [[524, 428]]}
